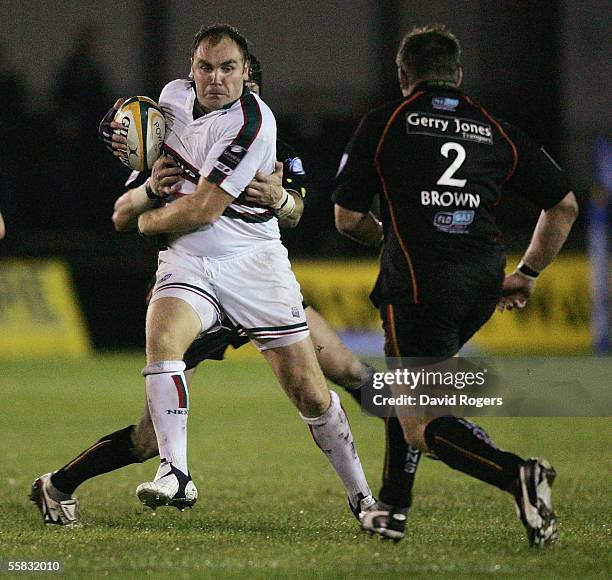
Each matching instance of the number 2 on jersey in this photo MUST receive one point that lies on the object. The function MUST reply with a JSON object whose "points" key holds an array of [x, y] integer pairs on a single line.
{"points": [[447, 177]]}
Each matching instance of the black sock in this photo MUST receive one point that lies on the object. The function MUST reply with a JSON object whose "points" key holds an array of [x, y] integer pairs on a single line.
{"points": [[464, 446], [399, 470], [107, 454]]}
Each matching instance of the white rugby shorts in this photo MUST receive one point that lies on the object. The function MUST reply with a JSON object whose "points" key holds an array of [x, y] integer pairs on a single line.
{"points": [[257, 290]]}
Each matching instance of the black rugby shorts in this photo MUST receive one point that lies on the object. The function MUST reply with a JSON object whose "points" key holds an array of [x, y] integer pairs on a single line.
{"points": [[433, 329]]}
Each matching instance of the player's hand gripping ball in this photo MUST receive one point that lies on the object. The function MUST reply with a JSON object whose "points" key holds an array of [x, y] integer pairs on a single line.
{"points": [[143, 125]]}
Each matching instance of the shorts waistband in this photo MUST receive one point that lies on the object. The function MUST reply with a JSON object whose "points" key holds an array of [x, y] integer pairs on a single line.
{"points": [[254, 250]]}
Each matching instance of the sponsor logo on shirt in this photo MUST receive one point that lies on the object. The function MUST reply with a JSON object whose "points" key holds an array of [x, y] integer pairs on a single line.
{"points": [[453, 127], [445, 103], [230, 158], [454, 222]]}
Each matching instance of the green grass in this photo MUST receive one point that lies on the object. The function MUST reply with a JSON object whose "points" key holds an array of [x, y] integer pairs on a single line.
{"points": [[270, 505]]}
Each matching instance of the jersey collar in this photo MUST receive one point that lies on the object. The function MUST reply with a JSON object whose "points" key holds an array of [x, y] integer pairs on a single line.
{"points": [[245, 91], [432, 85]]}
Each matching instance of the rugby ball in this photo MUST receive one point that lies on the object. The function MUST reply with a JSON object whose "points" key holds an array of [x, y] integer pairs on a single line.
{"points": [[143, 125]]}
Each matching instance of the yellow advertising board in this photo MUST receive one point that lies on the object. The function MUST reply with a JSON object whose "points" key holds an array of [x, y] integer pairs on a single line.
{"points": [[340, 291], [556, 319], [39, 311]]}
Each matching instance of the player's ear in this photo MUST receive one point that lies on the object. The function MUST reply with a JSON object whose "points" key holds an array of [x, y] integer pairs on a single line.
{"points": [[459, 76], [191, 68], [245, 71], [402, 78]]}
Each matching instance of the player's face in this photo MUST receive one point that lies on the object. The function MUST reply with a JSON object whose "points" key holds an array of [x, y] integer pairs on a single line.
{"points": [[219, 73]]}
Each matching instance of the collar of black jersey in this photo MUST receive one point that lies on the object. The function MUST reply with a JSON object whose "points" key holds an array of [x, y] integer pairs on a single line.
{"points": [[196, 111], [433, 85]]}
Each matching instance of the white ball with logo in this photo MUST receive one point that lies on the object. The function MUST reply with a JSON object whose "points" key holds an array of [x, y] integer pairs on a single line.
{"points": [[144, 127]]}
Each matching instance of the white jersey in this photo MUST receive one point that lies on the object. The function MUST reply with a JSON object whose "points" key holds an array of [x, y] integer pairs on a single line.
{"points": [[227, 147]]}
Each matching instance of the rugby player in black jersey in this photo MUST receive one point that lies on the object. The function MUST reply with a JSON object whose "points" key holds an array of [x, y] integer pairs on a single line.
{"points": [[440, 163], [53, 492]]}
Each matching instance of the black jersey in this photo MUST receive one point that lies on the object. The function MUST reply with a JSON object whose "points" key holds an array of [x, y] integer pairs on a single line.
{"points": [[294, 177], [440, 163]]}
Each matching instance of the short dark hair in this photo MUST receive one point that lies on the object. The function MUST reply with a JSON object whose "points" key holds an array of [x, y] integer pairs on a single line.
{"points": [[216, 33], [255, 74], [429, 52]]}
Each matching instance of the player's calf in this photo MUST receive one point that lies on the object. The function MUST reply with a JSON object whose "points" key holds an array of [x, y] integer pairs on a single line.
{"points": [[332, 434], [322, 412], [143, 437]]}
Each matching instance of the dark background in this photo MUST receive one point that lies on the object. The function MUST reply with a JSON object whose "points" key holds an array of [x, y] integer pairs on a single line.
{"points": [[542, 65]]}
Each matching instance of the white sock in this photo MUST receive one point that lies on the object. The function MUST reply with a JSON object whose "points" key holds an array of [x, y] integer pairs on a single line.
{"points": [[169, 406], [332, 433]]}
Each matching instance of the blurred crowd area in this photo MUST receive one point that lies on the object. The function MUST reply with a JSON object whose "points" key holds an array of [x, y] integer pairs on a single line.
{"points": [[56, 176]]}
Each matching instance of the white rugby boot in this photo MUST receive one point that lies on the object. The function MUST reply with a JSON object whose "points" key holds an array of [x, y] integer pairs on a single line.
{"points": [[533, 501], [54, 512], [171, 487]]}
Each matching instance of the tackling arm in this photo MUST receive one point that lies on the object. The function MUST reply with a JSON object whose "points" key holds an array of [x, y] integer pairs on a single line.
{"points": [[268, 190], [203, 207], [2, 228], [291, 219], [129, 206], [165, 177]]}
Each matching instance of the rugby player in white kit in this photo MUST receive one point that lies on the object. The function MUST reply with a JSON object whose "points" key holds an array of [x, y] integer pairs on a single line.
{"points": [[225, 254]]}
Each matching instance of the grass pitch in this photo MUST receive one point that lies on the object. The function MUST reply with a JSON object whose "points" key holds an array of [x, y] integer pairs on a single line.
{"points": [[270, 504]]}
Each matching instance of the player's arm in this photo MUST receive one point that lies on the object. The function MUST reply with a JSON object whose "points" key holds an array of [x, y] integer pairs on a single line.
{"points": [[549, 235], [540, 179], [166, 176], [2, 227], [293, 211], [356, 187], [268, 190], [361, 227], [551, 231], [129, 206], [201, 208]]}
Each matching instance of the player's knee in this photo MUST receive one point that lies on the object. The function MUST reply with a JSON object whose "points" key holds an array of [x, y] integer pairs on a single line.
{"points": [[163, 345], [309, 395]]}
